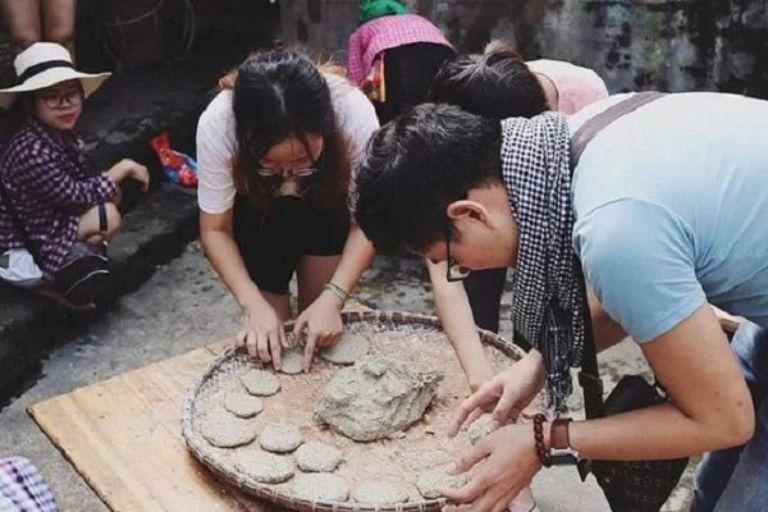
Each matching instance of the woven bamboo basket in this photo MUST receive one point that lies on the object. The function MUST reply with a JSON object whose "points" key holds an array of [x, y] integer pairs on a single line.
{"points": [[417, 339]]}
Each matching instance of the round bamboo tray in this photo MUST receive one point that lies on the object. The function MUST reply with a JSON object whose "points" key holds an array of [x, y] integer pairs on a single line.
{"points": [[414, 338]]}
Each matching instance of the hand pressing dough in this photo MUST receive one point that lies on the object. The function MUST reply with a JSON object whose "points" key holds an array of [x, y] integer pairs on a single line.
{"points": [[290, 361], [315, 456], [280, 437], [223, 431], [265, 467], [325, 487], [480, 428], [379, 492], [348, 350], [243, 405], [430, 483], [260, 383]]}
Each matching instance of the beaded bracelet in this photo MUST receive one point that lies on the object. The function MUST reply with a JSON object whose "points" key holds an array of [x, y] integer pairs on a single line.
{"points": [[337, 291], [538, 435]]}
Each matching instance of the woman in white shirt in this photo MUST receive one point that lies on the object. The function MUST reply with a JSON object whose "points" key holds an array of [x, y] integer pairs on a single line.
{"points": [[276, 155]]}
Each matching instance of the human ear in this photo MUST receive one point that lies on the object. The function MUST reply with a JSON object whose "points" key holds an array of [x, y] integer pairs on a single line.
{"points": [[465, 209]]}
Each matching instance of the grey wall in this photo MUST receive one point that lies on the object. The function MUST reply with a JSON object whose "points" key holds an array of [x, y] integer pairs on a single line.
{"points": [[674, 45]]}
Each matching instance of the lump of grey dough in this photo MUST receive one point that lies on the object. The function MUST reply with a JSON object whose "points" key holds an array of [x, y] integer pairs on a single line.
{"points": [[348, 350], [280, 437], [223, 431], [315, 456], [321, 487], [290, 361], [260, 382], [430, 483], [243, 405], [379, 492], [375, 398], [265, 467], [480, 428]]}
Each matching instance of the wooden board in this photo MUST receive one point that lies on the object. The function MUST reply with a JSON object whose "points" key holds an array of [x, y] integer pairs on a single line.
{"points": [[123, 436]]}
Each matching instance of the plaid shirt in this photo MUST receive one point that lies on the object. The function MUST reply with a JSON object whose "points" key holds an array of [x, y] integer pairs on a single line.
{"points": [[47, 182], [22, 488], [386, 32]]}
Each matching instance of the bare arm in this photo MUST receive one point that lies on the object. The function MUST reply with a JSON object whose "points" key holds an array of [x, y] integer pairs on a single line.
{"points": [[263, 333], [322, 318], [456, 315], [710, 407], [221, 250], [357, 255]]}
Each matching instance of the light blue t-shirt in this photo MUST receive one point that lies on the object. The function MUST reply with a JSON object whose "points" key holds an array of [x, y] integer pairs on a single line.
{"points": [[671, 205]]}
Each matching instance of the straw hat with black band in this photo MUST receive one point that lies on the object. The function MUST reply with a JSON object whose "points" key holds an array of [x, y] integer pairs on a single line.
{"points": [[43, 65]]}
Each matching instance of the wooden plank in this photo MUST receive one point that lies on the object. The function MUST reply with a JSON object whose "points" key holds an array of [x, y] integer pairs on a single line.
{"points": [[123, 436]]}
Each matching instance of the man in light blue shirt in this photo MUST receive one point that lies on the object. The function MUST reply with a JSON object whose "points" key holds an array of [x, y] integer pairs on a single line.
{"points": [[667, 210]]}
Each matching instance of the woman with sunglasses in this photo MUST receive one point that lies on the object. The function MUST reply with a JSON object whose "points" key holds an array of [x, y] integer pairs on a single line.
{"points": [[275, 155]]}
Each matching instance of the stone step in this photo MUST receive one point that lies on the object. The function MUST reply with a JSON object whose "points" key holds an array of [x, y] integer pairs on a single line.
{"points": [[155, 232]]}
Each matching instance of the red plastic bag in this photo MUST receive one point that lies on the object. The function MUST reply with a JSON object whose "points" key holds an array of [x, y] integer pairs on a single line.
{"points": [[179, 168]]}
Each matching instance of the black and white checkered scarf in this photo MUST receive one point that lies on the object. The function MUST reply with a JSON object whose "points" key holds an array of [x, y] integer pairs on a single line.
{"points": [[548, 303]]}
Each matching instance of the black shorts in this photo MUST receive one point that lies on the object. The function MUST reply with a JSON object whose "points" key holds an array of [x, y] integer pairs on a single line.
{"points": [[272, 244]]}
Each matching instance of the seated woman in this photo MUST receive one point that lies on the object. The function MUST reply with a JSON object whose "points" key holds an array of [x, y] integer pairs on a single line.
{"points": [[498, 84], [275, 158], [394, 56], [48, 200]]}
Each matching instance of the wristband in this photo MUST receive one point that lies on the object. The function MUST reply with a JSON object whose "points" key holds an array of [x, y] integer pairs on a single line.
{"points": [[337, 291], [538, 435]]}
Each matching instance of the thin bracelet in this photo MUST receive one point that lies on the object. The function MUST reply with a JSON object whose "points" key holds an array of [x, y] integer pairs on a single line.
{"points": [[538, 435], [337, 291]]}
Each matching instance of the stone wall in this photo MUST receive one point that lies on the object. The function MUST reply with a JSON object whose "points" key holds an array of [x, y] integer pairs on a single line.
{"points": [[674, 45]]}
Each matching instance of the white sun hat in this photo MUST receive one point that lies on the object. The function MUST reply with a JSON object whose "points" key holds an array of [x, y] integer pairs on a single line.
{"points": [[43, 65]]}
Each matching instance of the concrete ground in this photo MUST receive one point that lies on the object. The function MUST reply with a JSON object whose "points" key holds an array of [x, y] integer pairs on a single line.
{"points": [[184, 306]]}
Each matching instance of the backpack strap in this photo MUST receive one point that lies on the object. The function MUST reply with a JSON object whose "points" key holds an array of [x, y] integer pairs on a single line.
{"points": [[589, 376], [592, 127]]}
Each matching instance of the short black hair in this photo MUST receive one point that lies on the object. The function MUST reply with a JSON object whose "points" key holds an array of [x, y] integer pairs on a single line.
{"points": [[497, 84], [418, 164]]}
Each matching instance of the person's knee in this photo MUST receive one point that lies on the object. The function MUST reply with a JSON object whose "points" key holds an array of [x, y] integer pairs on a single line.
{"points": [[24, 38], [114, 219], [62, 34]]}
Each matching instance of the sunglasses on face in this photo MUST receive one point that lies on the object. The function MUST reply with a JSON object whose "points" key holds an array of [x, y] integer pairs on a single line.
{"points": [[454, 271]]}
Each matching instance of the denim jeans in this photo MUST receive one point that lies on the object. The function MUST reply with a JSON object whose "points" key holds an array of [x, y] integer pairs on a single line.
{"points": [[736, 480]]}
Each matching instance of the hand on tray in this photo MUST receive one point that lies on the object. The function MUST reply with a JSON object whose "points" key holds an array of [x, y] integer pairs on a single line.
{"points": [[321, 323], [262, 333], [510, 465], [506, 394]]}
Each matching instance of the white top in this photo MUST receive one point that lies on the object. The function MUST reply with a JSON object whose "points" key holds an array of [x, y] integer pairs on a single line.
{"points": [[216, 142]]}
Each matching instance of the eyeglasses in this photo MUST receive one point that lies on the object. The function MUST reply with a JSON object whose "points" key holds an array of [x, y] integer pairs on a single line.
{"points": [[272, 174], [454, 272], [73, 98]]}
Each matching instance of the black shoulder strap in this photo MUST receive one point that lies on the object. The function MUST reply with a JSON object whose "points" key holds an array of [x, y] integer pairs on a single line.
{"points": [[589, 377]]}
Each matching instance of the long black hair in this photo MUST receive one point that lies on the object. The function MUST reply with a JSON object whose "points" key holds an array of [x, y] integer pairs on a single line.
{"points": [[280, 94], [496, 84]]}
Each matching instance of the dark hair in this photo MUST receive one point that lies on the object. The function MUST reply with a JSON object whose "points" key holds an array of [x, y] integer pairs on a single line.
{"points": [[279, 94], [418, 164], [497, 84]]}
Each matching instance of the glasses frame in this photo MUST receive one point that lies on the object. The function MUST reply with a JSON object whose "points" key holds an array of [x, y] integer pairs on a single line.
{"points": [[57, 103], [453, 271], [267, 173]]}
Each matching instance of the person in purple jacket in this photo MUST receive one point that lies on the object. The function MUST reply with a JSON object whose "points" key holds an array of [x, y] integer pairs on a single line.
{"points": [[48, 199]]}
